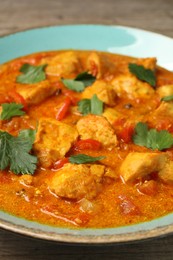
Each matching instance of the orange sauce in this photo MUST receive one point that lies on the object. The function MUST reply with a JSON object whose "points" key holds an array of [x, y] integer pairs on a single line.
{"points": [[118, 203]]}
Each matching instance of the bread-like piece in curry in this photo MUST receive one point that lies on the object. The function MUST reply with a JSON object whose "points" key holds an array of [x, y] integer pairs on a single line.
{"points": [[137, 165], [63, 64], [36, 93], [75, 181], [53, 140], [103, 90], [97, 128], [129, 86]]}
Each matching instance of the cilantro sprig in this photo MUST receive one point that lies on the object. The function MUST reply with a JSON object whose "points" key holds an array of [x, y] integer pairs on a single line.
{"points": [[152, 139], [83, 158], [31, 74], [15, 152], [78, 84], [143, 74], [91, 106], [11, 109], [167, 98]]}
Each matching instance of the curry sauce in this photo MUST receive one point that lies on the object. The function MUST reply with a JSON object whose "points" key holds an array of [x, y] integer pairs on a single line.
{"points": [[91, 142]]}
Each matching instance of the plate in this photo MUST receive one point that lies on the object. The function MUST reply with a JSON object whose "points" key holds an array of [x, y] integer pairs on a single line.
{"points": [[115, 39]]}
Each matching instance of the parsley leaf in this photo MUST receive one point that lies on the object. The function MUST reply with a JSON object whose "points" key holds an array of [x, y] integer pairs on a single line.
{"points": [[83, 158], [31, 74], [142, 73], [152, 138], [167, 98], [96, 105], [141, 130], [11, 109], [86, 78], [28, 134], [78, 84], [91, 106], [84, 106], [74, 85], [14, 152]]}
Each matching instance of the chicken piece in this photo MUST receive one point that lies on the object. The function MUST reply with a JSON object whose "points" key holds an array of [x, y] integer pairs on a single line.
{"points": [[97, 128], [164, 110], [99, 169], [99, 65], [53, 140], [166, 90], [148, 63], [75, 181], [166, 173], [36, 93], [137, 165], [109, 172], [111, 114], [63, 64], [130, 86], [103, 90]]}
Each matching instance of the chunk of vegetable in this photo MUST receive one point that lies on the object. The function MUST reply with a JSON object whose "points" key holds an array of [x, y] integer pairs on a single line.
{"points": [[64, 109]]}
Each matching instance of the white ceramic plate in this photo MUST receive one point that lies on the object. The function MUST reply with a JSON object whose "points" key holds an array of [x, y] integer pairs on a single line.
{"points": [[116, 39]]}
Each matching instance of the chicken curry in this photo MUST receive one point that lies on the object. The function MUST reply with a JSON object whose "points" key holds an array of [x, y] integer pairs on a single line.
{"points": [[86, 139]]}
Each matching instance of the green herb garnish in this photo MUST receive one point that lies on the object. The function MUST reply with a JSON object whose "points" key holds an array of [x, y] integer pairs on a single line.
{"points": [[152, 139], [83, 158], [86, 78], [31, 74], [78, 84], [74, 85], [91, 106], [28, 134], [15, 152], [142, 73], [11, 109], [167, 98]]}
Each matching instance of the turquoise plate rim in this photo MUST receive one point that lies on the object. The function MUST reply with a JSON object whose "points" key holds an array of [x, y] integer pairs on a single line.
{"points": [[115, 39]]}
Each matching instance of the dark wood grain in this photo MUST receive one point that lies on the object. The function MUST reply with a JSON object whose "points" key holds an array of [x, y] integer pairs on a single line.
{"points": [[15, 247], [155, 15], [17, 15]]}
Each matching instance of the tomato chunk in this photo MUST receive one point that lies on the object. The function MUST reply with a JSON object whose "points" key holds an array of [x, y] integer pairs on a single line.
{"points": [[127, 206], [126, 133], [69, 93], [64, 109], [5, 99], [87, 144], [165, 124], [148, 188], [60, 163], [16, 97]]}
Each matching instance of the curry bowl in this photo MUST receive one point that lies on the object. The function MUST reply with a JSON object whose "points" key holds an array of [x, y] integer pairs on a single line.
{"points": [[112, 39]]}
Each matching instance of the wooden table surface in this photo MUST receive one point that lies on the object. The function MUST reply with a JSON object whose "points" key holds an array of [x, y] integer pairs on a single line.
{"points": [[17, 15]]}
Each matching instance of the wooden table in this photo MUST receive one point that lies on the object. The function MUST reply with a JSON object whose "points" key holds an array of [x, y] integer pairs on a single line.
{"points": [[17, 15]]}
